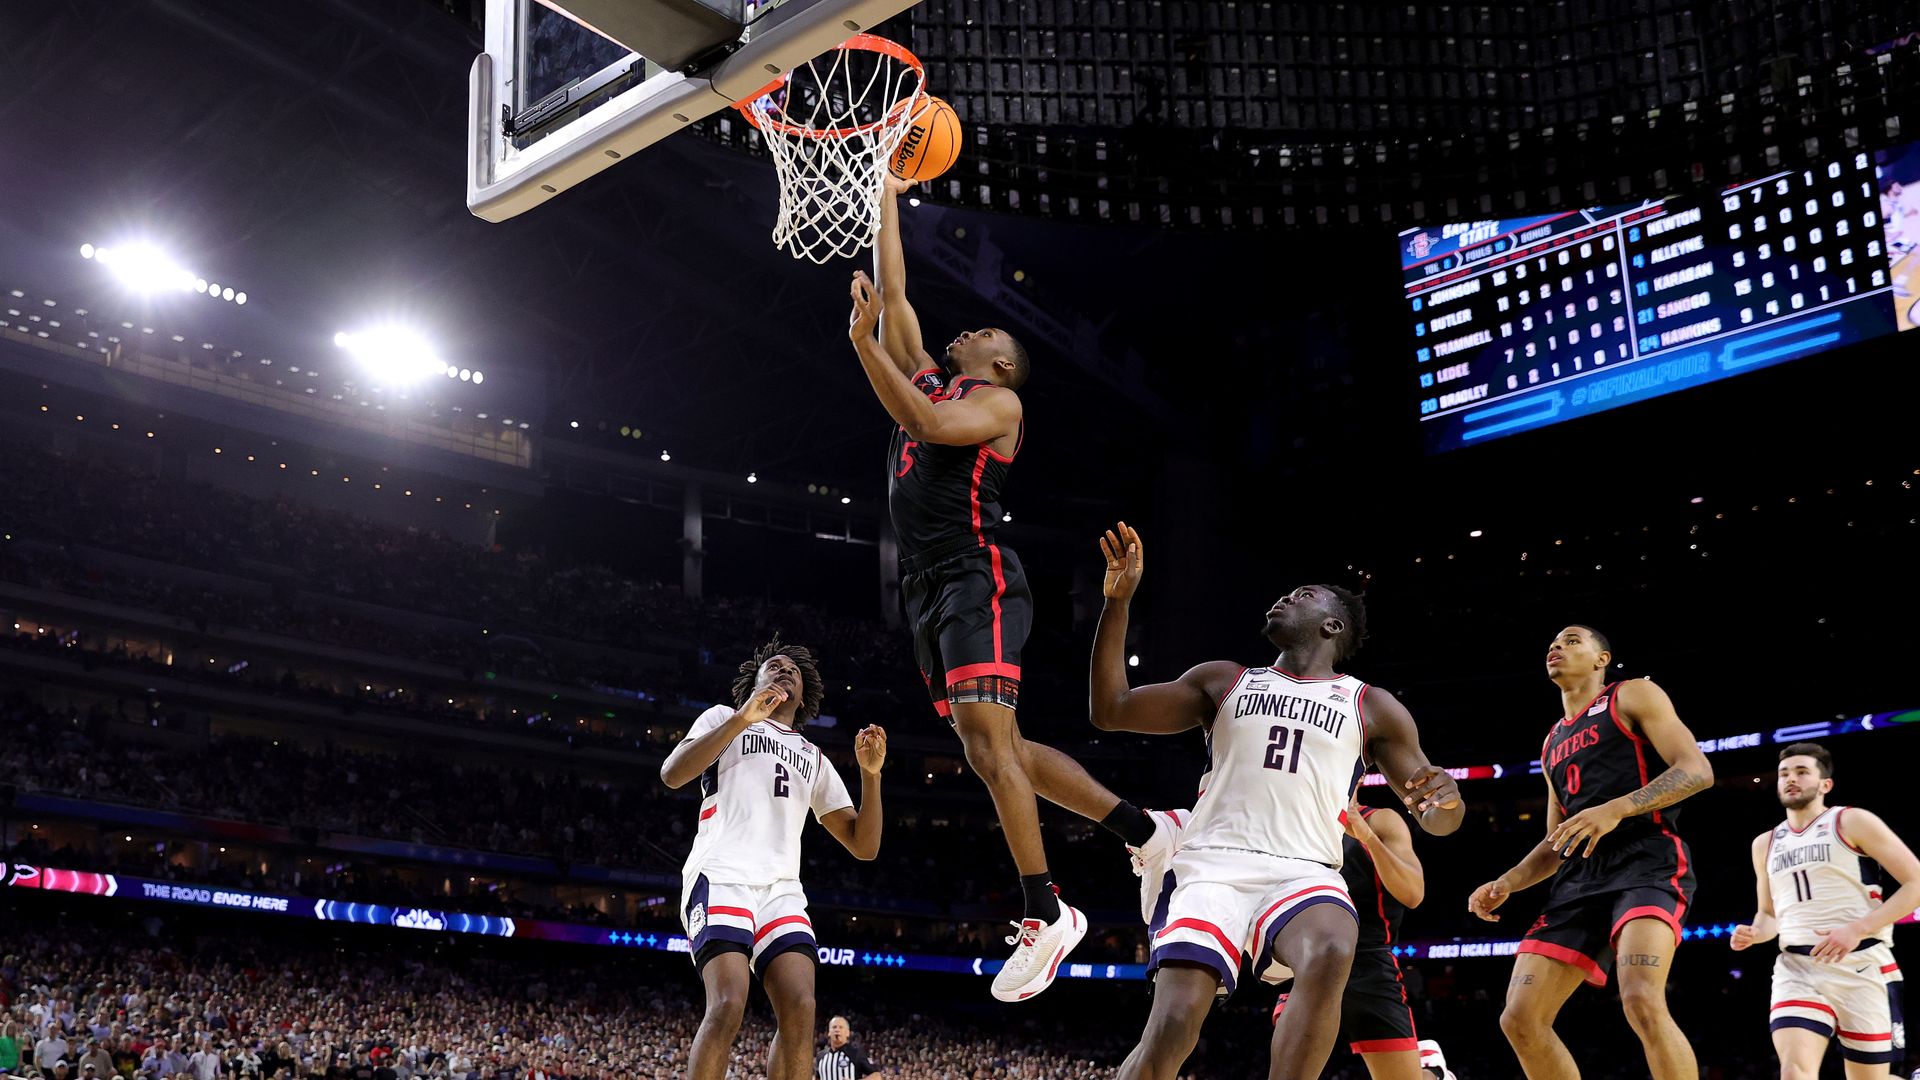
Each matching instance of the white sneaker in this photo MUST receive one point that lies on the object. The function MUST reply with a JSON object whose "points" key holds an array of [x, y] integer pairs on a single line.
{"points": [[1038, 950], [1151, 859]]}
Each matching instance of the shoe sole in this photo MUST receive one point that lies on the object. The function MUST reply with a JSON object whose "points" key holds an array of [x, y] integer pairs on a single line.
{"points": [[1076, 932]]}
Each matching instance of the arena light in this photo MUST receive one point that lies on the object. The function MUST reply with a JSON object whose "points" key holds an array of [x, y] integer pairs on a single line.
{"points": [[395, 355], [143, 268]]}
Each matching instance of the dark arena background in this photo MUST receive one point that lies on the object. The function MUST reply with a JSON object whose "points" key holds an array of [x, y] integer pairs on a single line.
{"points": [[334, 699]]}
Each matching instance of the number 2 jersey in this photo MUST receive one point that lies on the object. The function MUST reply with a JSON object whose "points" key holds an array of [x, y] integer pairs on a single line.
{"points": [[1285, 755], [1819, 881], [754, 801]]}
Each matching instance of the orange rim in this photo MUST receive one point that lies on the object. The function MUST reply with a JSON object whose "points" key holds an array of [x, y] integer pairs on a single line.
{"points": [[868, 42]]}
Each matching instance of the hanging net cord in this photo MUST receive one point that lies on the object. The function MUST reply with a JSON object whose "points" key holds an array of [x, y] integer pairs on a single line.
{"points": [[831, 125]]}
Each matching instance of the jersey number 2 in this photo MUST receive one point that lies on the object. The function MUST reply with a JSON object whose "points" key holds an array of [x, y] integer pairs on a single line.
{"points": [[1277, 757], [780, 788]]}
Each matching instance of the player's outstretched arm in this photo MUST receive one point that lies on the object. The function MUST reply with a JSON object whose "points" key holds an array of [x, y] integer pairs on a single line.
{"points": [[1393, 742], [1161, 708], [982, 416], [1389, 844], [1650, 711], [859, 830], [703, 746], [900, 329], [1537, 866], [1865, 832], [1764, 926]]}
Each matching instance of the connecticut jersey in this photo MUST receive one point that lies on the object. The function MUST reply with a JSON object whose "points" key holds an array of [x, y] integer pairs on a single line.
{"points": [[942, 496], [1819, 881], [754, 801], [1285, 755]]}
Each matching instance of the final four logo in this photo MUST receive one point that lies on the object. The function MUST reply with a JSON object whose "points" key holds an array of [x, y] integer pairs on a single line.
{"points": [[696, 920]]}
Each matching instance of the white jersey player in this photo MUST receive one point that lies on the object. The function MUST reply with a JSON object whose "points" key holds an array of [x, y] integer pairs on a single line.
{"points": [[741, 901], [1257, 870], [1819, 885]]}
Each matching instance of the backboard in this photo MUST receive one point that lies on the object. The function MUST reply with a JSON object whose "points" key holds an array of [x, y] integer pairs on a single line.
{"points": [[552, 102]]}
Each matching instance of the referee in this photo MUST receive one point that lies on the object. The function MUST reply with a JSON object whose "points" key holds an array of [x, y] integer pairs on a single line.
{"points": [[843, 1059]]}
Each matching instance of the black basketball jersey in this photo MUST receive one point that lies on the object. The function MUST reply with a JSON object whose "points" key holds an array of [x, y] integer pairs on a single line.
{"points": [[940, 496], [1592, 757], [1380, 913]]}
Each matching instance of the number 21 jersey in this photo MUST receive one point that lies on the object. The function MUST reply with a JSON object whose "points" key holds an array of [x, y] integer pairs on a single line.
{"points": [[754, 801], [1285, 756]]}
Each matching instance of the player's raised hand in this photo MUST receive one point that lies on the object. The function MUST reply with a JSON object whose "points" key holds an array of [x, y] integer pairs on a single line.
{"points": [[870, 748], [1587, 827], [1126, 558], [761, 705], [1356, 822], [1487, 897], [898, 185], [867, 307], [1430, 786], [1742, 937]]}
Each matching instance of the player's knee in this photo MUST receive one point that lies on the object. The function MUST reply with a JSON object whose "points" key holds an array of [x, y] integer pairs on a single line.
{"points": [[794, 1007], [1797, 1070], [1322, 958], [989, 758], [1524, 1028], [1644, 1003], [726, 1007]]}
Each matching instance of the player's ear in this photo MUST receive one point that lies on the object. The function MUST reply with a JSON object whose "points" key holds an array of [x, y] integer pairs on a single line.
{"points": [[1334, 626]]}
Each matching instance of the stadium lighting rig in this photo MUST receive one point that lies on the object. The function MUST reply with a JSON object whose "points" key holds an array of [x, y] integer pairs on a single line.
{"points": [[147, 270], [401, 356]]}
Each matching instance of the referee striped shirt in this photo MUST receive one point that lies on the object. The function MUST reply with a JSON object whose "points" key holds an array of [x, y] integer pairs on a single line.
{"points": [[849, 1062]]}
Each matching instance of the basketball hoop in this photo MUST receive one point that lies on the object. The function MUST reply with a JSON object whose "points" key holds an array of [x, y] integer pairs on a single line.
{"points": [[831, 124]]}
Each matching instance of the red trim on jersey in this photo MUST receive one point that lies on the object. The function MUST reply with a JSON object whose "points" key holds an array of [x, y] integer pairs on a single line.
{"points": [[1548, 949], [1839, 827], [1582, 710], [1640, 759], [736, 912], [781, 728], [1646, 911], [709, 812], [1360, 711], [1296, 678], [973, 493], [1384, 1046], [1862, 1036], [974, 671], [1380, 894], [1889, 969], [998, 456], [1816, 817], [1613, 710], [1260, 924], [1797, 1004], [1226, 943], [999, 590], [1218, 705], [927, 371], [782, 921], [942, 708]]}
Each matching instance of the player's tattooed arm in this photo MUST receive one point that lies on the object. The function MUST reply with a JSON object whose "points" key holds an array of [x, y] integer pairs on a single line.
{"points": [[1764, 926], [1160, 708], [1393, 743], [1650, 711]]}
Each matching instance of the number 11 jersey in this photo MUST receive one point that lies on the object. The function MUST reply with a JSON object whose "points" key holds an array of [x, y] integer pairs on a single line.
{"points": [[1285, 754], [754, 801]]}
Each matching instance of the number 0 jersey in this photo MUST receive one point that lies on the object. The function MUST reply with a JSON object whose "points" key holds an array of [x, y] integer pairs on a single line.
{"points": [[1285, 755], [1819, 880], [1592, 757], [754, 801]]}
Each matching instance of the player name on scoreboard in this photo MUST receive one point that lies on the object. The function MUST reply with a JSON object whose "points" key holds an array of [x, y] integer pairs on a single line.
{"points": [[1518, 323]]}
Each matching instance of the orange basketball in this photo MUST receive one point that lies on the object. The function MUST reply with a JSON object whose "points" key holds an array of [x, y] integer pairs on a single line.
{"points": [[931, 144]]}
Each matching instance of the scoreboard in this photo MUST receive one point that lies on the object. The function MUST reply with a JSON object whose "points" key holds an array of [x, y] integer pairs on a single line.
{"points": [[1520, 323]]}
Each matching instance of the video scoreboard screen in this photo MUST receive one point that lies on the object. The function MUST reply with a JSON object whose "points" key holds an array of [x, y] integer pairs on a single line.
{"points": [[1520, 323]]}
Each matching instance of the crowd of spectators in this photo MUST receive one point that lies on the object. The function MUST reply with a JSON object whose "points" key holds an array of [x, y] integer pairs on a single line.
{"points": [[333, 553]]}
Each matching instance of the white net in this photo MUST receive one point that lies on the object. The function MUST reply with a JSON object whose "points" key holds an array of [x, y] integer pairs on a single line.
{"points": [[831, 125]]}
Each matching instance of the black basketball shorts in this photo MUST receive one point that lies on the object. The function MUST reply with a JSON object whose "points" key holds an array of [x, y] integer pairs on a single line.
{"points": [[1590, 900], [970, 612], [1374, 1016]]}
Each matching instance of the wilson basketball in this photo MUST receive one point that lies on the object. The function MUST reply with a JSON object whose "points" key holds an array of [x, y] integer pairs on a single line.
{"points": [[931, 144]]}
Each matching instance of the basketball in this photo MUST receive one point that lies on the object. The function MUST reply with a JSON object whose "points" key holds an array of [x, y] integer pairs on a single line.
{"points": [[931, 144]]}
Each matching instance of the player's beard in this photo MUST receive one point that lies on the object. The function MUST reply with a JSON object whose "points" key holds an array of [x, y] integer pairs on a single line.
{"points": [[1800, 801]]}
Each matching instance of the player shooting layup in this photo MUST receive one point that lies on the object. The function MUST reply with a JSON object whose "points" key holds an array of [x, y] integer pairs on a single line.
{"points": [[1819, 891], [1257, 871], [959, 426], [1628, 888], [741, 902]]}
